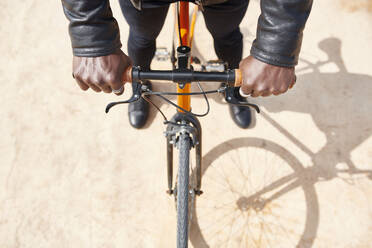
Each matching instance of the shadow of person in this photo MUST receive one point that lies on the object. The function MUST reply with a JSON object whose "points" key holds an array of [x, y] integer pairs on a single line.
{"points": [[339, 104]]}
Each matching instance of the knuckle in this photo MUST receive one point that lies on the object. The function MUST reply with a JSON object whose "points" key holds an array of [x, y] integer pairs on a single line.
{"points": [[272, 90], [116, 85], [276, 91], [283, 89], [111, 77], [85, 78], [83, 86], [248, 86], [258, 89], [97, 89], [248, 81], [95, 82], [254, 93], [266, 93], [261, 88], [100, 83]]}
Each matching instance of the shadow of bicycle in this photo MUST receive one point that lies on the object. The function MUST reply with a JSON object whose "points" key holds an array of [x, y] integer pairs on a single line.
{"points": [[257, 193]]}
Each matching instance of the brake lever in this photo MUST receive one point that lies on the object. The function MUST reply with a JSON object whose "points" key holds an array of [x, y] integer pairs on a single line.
{"points": [[232, 99], [136, 95]]}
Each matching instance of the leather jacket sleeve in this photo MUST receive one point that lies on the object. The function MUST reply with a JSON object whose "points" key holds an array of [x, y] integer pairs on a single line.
{"points": [[93, 30], [279, 32]]}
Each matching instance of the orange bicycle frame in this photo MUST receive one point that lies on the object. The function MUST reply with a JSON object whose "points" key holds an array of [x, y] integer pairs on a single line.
{"points": [[186, 33]]}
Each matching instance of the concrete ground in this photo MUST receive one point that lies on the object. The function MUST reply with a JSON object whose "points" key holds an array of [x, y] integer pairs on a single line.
{"points": [[72, 176]]}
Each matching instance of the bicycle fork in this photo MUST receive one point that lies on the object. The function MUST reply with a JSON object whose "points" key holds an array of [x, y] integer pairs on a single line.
{"points": [[180, 123]]}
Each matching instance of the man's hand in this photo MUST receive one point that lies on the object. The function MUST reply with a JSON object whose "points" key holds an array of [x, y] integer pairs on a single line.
{"points": [[105, 73], [261, 79]]}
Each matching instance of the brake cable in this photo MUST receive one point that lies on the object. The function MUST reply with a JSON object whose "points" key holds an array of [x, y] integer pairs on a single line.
{"points": [[202, 92]]}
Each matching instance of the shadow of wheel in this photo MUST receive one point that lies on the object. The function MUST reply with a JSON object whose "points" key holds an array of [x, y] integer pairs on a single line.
{"points": [[256, 194]]}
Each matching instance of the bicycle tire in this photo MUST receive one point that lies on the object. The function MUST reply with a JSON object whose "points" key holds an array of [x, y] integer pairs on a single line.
{"points": [[184, 143]]}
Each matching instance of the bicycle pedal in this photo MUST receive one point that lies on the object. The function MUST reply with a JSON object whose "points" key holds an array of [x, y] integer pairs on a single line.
{"points": [[198, 192], [196, 60], [170, 192], [215, 66], [162, 54]]}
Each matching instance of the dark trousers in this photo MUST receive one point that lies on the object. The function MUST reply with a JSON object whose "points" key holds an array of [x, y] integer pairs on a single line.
{"points": [[222, 21]]}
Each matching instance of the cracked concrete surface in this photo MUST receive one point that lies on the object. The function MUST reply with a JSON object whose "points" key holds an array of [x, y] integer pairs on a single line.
{"points": [[72, 176]]}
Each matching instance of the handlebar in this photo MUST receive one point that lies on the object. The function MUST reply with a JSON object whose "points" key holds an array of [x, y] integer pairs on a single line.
{"points": [[135, 74], [231, 78]]}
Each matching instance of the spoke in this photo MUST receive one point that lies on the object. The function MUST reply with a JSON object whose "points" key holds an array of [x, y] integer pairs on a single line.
{"points": [[266, 192]]}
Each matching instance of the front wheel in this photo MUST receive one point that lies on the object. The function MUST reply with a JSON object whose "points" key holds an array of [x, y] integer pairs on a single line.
{"points": [[184, 145]]}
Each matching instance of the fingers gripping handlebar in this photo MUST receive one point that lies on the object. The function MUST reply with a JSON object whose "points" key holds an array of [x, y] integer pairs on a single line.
{"points": [[231, 78]]}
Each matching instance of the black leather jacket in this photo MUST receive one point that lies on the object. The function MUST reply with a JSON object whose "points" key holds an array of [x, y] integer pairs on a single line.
{"points": [[94, 32]]}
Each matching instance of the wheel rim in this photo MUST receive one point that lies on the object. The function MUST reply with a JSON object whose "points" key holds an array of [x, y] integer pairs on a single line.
{"points": [[272, 209]]}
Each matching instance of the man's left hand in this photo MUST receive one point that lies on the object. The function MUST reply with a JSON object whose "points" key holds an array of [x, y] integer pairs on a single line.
{"points": [[262, 79]]}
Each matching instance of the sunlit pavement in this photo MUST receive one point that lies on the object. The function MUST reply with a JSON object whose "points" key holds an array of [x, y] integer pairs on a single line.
{"points": [[72, 176]]}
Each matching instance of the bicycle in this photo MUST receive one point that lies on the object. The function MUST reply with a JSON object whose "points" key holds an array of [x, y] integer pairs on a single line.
{"points": [[184, 130]]}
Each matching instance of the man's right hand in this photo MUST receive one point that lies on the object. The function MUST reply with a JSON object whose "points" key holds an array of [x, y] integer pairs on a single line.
{"points": [[104, 73]]}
